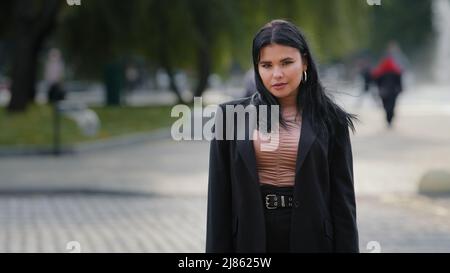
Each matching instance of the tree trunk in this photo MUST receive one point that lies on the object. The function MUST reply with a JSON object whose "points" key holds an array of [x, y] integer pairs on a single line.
{"points": [[32, 25], [23, 75], [173, 84], [164, 54], [165, 63], [204, 70]]}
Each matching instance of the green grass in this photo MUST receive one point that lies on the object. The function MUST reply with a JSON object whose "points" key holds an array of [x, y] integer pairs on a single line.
{"points": [[35, 126]]}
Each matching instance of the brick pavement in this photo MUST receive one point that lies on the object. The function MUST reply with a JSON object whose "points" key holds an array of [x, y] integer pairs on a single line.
{"points": [[128, 223]]}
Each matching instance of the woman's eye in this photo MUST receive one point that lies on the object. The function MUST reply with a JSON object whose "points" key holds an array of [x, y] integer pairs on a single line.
{"points": [[287, 63], [266, 65]]}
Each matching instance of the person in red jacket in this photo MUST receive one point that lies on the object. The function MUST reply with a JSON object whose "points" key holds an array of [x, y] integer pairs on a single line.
{"points": [[388, 77]]}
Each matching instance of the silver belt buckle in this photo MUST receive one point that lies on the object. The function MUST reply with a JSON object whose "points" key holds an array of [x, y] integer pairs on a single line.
{"points": [[268, 206]]}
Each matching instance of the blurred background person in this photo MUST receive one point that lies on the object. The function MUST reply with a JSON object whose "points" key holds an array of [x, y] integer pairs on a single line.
{"points": [[54, 75], [388, 77], [364, 66]]}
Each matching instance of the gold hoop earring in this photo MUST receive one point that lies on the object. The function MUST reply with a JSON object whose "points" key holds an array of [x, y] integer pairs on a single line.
{"points": [[305, 76]]}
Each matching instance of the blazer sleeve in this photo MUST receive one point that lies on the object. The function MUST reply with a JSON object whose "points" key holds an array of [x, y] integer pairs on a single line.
{"points": [[219, 224], [343, 204]]}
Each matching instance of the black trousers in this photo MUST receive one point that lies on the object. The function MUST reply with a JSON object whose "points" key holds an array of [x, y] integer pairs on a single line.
{"points": [[389, 102], [278, 221]]}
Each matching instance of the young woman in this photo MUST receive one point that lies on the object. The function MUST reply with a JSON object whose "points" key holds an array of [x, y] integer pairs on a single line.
{"points": [[299, 196]]}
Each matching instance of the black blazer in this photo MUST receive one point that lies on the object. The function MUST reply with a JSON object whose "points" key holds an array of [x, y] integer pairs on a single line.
{"points": [[324, 212]]}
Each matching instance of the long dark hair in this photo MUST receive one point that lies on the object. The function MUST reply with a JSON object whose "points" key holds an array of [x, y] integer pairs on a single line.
{"points": [[324, 112]]}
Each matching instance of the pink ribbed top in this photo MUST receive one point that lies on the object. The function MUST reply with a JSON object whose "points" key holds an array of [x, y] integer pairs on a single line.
{"points": [[276, 157]]}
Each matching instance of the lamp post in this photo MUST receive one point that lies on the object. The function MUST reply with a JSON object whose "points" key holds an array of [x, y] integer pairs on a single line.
{"points": [[55, 95]]}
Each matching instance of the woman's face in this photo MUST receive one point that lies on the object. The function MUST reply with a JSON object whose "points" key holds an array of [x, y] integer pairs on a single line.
{"points": [[281, 70]]}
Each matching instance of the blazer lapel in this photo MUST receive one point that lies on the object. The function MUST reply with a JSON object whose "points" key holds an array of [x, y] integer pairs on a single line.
{"points": [[247, 151], [307, 137]]}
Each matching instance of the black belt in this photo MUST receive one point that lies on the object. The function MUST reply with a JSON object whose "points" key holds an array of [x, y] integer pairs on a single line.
{"points": [[275, 201]]}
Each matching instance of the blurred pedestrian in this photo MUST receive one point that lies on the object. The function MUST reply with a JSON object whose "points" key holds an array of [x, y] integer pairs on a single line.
{"points": [[131, 78], [388, 77], [365, 71], [364, 67], [54, 75], [298, 196]]}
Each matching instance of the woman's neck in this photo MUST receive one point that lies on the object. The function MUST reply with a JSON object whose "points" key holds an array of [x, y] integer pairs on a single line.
{"points": [[289, 102]]}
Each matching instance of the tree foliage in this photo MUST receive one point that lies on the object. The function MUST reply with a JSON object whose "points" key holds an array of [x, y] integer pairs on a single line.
{"points": [[206, 36]]}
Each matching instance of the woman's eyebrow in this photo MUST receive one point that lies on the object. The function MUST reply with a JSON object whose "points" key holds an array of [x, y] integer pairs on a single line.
{"points": [[282, 60]]}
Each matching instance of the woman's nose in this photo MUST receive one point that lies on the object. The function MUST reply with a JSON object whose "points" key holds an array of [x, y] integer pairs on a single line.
{"points": [[277, 73]]}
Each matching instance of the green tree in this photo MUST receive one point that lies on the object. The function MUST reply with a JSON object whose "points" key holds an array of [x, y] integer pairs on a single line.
{"points": [[201, 36], [405, 21]]}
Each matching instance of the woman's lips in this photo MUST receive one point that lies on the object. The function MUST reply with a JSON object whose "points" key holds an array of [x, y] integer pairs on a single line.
{"points": [[279, 86]]}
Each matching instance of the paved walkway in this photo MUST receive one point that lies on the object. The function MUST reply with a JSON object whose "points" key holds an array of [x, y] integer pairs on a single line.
{"points": [[48, 223], [152, 197]]}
